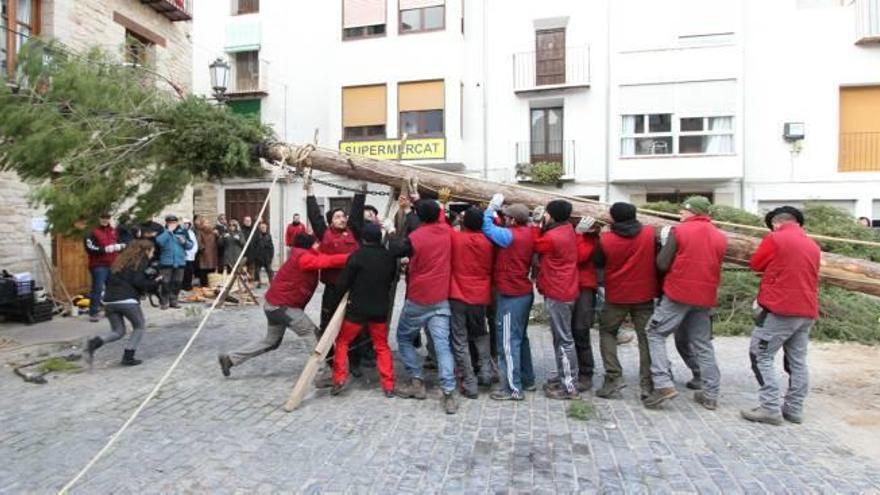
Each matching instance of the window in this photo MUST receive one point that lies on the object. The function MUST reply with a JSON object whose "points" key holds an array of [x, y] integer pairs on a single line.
{"points": [[655, 134], [19, 20], [138, 50], [859, 129], [550, 56], [363, 19], [546, 135], [363, 112], [421, 106], [241, 7], [246, 71], [677, 196], [422, 15]]}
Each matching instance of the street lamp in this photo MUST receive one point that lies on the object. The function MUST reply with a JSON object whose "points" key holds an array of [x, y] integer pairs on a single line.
{"points": [[219, 78]]}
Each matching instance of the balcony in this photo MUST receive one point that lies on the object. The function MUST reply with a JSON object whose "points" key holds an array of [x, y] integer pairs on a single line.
{"points": [[859, 152], [532, 152], [249, 76], [174, 10], [867, 22], [546, 70]]}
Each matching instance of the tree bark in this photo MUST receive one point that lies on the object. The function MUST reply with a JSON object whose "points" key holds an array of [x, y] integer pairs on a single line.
{"points": [[850, 273]]}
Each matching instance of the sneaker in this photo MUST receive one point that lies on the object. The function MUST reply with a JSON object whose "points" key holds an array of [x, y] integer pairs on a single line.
{"points": [[388, 393], [325, 379], [225, 364], [449, 404], [552, 385], [94, 318], [415, 389], [701, 399], [506, 395], [792, 417], [659, 396], [761, 415], [337, 388], [695, 384], [611, 388], [561, 394]]}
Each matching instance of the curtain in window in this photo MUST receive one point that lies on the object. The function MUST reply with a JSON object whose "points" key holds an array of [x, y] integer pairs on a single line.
{"points": [[418, 4], [363, 106], [23, 13], [628, 144], [721, 143], [359, 13]]}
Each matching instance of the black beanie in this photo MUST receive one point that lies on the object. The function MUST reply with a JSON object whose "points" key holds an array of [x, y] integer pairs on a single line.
{"points": [[791, 210], [304, 241], [622, 212], [428, 210], [371, 233], [559, 210], [473, 218]]}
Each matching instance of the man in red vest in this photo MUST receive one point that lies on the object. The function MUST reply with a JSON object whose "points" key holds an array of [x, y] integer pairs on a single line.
{"points": [[558, 282], [788, 298], [338, 233], [294, 228], [288, 294], [691, 258], [515, 295], [585, 306], [102, 246], [470, 291], [627, 252]]}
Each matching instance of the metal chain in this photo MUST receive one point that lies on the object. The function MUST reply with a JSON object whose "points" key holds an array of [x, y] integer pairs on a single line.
{"points": [[350, 189]]}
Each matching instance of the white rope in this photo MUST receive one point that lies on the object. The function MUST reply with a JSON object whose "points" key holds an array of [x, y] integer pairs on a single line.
{"points": [[176, 362]]}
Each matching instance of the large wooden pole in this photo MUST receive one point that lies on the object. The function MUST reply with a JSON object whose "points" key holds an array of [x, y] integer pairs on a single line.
{"points": [[850, 273]]}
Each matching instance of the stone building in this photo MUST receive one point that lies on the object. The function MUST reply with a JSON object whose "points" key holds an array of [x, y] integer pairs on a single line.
{"points": [[138, 31]]}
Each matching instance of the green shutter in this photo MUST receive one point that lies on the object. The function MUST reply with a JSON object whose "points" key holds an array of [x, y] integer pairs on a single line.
{"points": [[246, 108]]}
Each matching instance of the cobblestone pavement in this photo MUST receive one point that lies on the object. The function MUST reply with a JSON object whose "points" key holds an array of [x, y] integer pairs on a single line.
{"points": [[209, 434]]}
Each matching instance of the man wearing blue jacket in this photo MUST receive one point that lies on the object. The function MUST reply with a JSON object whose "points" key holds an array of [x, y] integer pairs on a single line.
{"points": [[173, 243]]}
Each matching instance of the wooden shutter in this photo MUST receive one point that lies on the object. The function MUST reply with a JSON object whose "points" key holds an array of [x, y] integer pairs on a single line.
{"points": [[550, 56], [359, 13], [418, 4], [363, 105], [859, 129], [427, 95]]}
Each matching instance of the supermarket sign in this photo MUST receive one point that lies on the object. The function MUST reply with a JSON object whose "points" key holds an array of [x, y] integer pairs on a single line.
{"points": [[389, 149]]}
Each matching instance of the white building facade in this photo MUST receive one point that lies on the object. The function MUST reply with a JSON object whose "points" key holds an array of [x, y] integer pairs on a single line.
{"points": [[637, 100]]}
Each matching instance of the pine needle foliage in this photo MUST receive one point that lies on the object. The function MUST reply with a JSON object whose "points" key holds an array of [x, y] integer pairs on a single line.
{"points": [[92, 135]]}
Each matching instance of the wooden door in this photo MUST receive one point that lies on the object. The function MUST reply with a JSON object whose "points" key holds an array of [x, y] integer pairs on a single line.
{"points": [[550, 56], [546, 134], [71, 264], [242, 203]]}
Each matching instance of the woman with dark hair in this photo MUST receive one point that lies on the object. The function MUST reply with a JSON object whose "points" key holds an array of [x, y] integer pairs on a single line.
{"points": [[127, 283]]}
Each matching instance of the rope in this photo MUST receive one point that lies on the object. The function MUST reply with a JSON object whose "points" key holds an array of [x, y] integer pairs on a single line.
{"points": [[173, 366]]}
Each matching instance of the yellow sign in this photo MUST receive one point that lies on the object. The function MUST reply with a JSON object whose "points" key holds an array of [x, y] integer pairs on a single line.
{"points": [[415, 149]]}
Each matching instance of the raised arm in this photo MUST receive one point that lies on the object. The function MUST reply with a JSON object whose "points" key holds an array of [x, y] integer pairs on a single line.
{"points": [[500, 236], [356, 216]]}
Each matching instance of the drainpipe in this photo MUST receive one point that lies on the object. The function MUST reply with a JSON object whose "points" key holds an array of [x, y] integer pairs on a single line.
{"points": [[742, 79], [608, 101], [485, 90]]}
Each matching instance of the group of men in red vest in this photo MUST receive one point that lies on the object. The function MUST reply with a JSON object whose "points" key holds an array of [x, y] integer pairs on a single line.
{"points": [[665, 281]]}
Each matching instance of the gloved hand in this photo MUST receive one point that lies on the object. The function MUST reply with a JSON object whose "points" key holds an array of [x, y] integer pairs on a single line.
{"points": [[496, 202], [443, 195], [664, 234], [388, 226], [538, 214], [585, 225], [110, 248]]}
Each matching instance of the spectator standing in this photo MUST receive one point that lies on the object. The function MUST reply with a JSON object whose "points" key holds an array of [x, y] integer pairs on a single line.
{"points": [[102, 246], [126, 230], [173, 243], [247, 226], [294, 228], [263, 253], [207, 260], [221, 228], [232, 243], [189, 269]]}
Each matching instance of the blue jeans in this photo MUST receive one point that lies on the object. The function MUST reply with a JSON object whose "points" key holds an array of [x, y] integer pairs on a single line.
{"points": [[436, 317], [512, 340], [99, 280]]}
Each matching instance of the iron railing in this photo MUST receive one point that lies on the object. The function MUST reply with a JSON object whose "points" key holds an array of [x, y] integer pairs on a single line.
{"points": [[547, 69], [867, 21], [174, 10], [859, 152], [245, 78], [554, 151]]}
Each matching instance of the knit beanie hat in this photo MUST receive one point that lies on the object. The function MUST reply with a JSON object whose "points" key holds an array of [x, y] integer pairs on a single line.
{"points": [[698, 205], [622, 212], [559, 210], [371, 233], [473, 218], [428, 210]]}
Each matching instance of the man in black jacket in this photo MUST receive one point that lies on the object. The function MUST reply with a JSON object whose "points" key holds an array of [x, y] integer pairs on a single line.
{"points": [[367, 277]]}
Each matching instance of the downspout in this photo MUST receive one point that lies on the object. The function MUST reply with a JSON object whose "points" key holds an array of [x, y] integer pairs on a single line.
{"points": [[485, 90], [742, 75], [607, 197]]}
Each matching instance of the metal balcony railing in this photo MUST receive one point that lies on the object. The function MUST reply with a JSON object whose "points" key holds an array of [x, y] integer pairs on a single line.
{"points": [[859, 152], [551, 69], [174, 10], [248, 78], [555, 151], [867, 21]]}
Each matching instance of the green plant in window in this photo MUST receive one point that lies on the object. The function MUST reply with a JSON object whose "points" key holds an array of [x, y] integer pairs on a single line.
{"points": [[549, 173]]}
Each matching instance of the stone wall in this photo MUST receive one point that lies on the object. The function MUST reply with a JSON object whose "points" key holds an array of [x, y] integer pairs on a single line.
{"points": [[205, 200], [17, 253]]}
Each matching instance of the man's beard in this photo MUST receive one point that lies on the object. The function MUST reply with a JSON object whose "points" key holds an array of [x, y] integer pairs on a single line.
{"points": [[295, 222]]}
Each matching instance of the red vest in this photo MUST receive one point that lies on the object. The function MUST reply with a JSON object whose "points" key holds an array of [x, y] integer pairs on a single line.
{"points": [[630, 267], [558, 270], [292, 286], [512, 264], [695, 273], [586, 244], [471, 280], [790, 283], [292, 232], [429, 269], [335, 242], [104, 236]]}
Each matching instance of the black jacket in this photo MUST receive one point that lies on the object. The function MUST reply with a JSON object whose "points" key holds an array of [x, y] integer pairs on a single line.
{"points": [[263, 249], [368, 276], [131, 283]]}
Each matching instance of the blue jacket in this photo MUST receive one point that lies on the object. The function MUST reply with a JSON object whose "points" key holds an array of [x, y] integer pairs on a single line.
{"points": [[172, 251]]}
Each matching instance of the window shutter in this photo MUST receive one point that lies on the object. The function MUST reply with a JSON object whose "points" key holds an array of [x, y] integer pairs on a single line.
{"points": [[359, 13], [420, 96], [363, 105], [418, 4]]}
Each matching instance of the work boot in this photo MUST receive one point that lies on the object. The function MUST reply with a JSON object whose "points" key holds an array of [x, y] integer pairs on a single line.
{"points": [[611, 388], [388, 393], [696, 383], [163, 305], [792, 417], [659, 396], [225, 364], [701, 399], [470, 394], [337, 388], [561, 394], [506, 395], [449, 404], [585, 383], [414, 390], [761, 415], [91, 345], [174, 304], [324, 379], [128, 358], [484, 380]]}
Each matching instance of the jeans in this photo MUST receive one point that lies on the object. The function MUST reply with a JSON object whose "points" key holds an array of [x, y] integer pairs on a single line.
{"points": [[99, 280], [117, 314], [514, 351], [436, 318], [792, 334]]}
